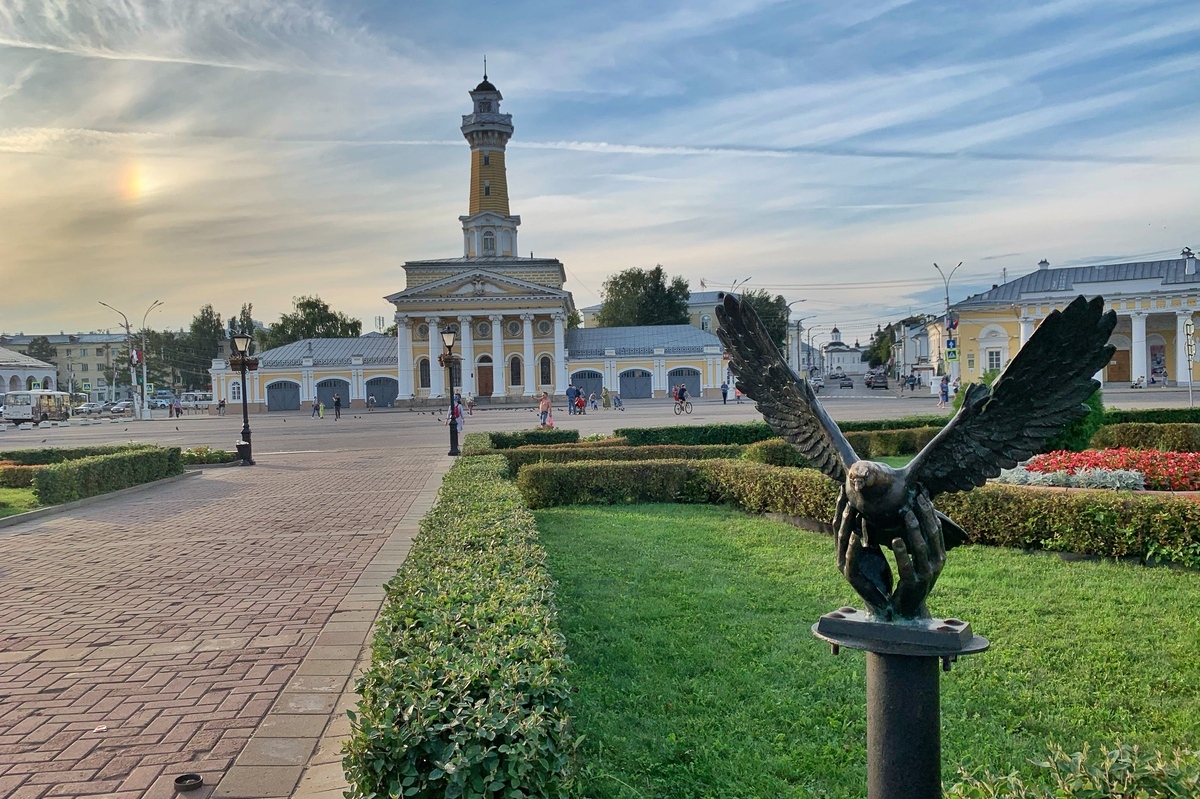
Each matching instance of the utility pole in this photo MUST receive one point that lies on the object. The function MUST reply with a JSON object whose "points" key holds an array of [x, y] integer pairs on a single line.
{"points": [[138, 406], [951, 352]]}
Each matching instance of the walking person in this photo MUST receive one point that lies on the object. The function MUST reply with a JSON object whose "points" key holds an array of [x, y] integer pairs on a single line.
{"points": [[543, 409], [321, 409], [605, 398], [178, 408], [724, 393], [315, 408], [944, 391], [370, 403], [595, 403], [456, 413], [337, 407], [571, 393], [221, 407]]}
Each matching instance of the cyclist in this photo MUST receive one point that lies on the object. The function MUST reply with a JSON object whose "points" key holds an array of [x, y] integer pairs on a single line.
{"points": [[682, 394]]}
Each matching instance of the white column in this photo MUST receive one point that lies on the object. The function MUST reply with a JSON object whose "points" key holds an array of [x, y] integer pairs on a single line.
{"points": [[1138, 354], [527, 336], [560, 354], [1182, 362], [468, 355], [437, 377], [499, 367], [404, 357], [1026, 329]]}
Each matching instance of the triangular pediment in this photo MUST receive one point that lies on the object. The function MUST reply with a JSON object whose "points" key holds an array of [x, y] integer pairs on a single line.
{"points": [[478, 284]]}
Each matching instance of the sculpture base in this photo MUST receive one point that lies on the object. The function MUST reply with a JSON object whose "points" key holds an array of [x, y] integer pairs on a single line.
{"points": [[857, 629]]}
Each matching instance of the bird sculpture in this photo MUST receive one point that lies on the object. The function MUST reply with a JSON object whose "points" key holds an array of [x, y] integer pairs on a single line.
{"points": [[1042, 390]]}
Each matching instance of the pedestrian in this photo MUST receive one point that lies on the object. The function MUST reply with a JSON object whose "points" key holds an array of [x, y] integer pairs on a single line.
{"points": [[178, 408], [724, 393], [221, 407], [457, 409], [337, 407], [370, 403], [470, 403], [315, 403], [595, 403], [543, 409], [605, 398], [572, 392], [944, 391], [737, 395], [321, 409], [580, 404]]}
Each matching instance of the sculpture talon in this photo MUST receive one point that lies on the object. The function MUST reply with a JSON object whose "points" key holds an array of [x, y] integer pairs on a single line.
{"points": [[1041, 391]]}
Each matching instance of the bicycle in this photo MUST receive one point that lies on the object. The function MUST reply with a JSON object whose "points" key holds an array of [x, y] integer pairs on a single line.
{"points": [[683, 407]]}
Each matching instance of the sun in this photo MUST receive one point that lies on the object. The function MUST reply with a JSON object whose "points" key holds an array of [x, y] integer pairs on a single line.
{"points": [[135, 181]]}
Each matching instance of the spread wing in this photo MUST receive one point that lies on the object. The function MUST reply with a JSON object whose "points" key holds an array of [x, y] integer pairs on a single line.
{"points": [[787, 402], [1040, 393]]}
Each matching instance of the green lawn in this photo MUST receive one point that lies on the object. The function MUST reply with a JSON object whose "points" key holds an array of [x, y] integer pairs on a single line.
{"points": [[16, 500], [698, 676]]}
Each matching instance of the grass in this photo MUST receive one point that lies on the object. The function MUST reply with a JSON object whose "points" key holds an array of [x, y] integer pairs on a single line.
{"points": [[16, 500], [895, 461], [698, 676]]}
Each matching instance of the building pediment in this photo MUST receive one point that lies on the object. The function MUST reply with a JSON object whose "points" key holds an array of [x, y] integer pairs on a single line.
{"points": [[477, 284]]}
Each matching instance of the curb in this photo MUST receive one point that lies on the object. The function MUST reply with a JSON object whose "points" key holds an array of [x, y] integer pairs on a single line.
{"points": [[30, 515]]}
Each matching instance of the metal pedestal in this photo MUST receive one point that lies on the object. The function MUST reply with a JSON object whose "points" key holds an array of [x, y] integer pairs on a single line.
{"points": [[904, 738]]}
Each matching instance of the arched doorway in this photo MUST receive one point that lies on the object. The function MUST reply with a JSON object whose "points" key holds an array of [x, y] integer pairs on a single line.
{"points": [[636, 384], [384, 390], [334, 385], [688, 377], [484, 381], [588, 381], [283, 395], [1119, 368]]}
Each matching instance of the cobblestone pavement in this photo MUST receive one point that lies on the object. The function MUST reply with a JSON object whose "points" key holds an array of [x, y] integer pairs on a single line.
{"points": [[150, 635]]}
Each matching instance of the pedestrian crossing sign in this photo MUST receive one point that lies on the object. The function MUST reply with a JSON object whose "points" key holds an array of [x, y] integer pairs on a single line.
{"points": [[951, 355]]}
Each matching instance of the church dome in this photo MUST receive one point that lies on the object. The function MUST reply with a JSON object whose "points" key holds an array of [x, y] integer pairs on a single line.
{"points": [[485, 86]]}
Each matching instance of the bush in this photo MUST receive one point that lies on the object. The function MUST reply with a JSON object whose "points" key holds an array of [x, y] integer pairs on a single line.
{"points": [[554, 435], [606, 482], [14, 475], [740, 433], [1168, 437], [466, 694], [568, 453], [1154, 416], [477, 444], [1121, 773], [100, 474], [1113, 479], [758, 488], [38, 457], [774, 452], [878, 443], [198, 455], [1077, 434]]}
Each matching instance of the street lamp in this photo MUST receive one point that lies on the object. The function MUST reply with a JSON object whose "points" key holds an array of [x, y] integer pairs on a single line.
{"points": [[145, 398], [129, 344], [946, 323], [241, 347], [448, 362]]}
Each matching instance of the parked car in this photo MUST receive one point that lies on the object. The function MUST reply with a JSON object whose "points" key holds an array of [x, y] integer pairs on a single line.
{"points": [[880, 381], [89, 408], [846, 382], [158, 403], [124, 406]]}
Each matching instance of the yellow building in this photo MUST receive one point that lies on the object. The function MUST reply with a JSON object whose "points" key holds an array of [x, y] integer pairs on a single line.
{"points": [[509, 316], [1154, 300]]}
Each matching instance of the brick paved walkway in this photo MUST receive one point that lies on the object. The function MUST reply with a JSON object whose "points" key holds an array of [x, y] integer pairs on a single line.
{"points": [[150, 635]]}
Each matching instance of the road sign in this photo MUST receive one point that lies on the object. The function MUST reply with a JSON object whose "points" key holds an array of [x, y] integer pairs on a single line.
{"points": [[34, 385], [951, 355], [951, 343], [87, 386], [150, 388]]}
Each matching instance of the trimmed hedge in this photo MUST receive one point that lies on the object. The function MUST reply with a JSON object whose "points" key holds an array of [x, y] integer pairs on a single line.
{"points": [[1168, 437], [695, 435], [39, 457], [466, 694], [522, 438], [99, 474], [569, 453], [16, 476], [1153, 416], [1103, 523], [877, 443], [774, 452]]}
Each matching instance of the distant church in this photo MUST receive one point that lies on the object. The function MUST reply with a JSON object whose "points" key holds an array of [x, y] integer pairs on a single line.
{"points": [[509, 315]]}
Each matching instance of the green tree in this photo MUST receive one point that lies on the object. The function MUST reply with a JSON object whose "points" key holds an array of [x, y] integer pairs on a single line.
{"points": [[643, 297], [773, 311], [41, 348], [879, 351], [574, 320], [200, 346], [311, 317]]}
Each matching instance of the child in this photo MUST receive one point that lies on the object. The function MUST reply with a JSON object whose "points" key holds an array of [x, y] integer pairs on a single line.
{"points": [[616, 398], [595, 404], [580, 403]]}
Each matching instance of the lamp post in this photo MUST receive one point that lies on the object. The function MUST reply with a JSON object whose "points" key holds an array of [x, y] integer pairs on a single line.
{"points": [[946, 322], [448, 362], [241, 347], [132, 375], [145, 398]]}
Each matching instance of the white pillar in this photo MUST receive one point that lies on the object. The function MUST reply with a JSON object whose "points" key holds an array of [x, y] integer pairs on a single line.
{"points": [[404, 357], [1138, 354], [1026, 329], [499, 367], [560, 354], [437, 381], [1183, 364], [468, 355], [527, 336]]}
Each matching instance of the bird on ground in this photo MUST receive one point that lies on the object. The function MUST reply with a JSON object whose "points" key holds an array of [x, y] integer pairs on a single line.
{"points": [[1040, 392]]}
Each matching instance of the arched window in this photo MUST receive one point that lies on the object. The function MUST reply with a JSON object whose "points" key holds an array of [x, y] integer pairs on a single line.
{"points": [[514, 371], [235, 391], [489, 243], [544, 365], [423, 368], [706, 323], [487, 188]]}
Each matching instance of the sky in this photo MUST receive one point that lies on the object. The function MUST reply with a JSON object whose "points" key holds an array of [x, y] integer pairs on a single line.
{"points": [[231, 151]]}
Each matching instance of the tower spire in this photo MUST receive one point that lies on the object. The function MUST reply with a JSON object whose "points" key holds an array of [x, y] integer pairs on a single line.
{"points": [[488, 229]]}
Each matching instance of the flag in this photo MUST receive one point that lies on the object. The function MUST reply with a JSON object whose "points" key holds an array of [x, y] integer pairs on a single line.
{"points": [[703, 285]]}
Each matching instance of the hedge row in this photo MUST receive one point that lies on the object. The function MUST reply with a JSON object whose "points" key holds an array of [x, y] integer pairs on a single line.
{"points": [[695, 435], [567, 454], [16, 476], [482, 443], [99, 474], [1153, 416], [1168, 437], [1104, 523], [466, 694], [878, 443], [38, 457]]}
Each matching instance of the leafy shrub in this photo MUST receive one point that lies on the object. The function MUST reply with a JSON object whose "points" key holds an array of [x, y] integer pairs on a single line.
{"points": [[14, 475], [903, 423], [774, 452], [477, 444], [568, 453], [1121, 773], [555, 435], [99, 474], [1164, 471], [466, 694], [878, 443], [202, 454], [37, 457], [605, 482], [1077, 434], [1154, 416], [759, 488], [1114, 479], [1169, 437], [738, 433]]}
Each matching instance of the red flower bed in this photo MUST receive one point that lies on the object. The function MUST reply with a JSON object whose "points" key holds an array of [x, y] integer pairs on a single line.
{"points": [[1165, 471]]}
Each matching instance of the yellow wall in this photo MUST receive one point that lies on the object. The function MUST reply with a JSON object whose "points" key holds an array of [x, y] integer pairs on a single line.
{"points": [[494, 174]]}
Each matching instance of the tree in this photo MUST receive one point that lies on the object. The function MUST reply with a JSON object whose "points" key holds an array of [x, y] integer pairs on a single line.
{"points": [[642, 297], [202, 344], [311, 317], [879, 351], [773, 311], [574, 320], [41, 348]]}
